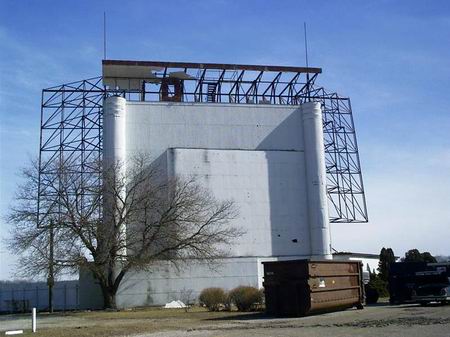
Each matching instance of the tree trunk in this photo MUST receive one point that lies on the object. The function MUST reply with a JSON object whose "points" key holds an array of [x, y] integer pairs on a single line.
{"points": [[109, 298], [50, 297]]}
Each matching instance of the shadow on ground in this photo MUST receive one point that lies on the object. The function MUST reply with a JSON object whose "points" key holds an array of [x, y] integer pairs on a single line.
{"points": [[264, 316], [379, 304]]}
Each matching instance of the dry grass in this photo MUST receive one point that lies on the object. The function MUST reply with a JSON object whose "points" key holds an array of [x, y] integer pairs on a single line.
{"points": [[125, 323]]}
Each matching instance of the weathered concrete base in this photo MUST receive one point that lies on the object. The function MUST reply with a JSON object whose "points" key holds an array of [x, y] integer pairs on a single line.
{"points": [[163, 283]]}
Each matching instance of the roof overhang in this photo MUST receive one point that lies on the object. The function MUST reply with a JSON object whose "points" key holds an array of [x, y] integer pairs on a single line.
{"points": [[140, 68], [263, 84]]}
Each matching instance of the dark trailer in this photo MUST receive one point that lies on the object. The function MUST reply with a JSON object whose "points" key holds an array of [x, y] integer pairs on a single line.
{"points": [[418, 282]]}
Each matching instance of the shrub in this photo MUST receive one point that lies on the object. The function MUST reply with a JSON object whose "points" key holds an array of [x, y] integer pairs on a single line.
{"points": [[212, 298], [372, 294], [245, 298], [376, 288], [228, 302], [379, 285]]}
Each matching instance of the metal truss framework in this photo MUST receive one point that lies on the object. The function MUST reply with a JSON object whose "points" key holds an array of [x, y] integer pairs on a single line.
{"points": [[71, 123]]}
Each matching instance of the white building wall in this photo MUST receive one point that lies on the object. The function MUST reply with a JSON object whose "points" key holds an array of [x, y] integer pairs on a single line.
{"points": [[164, 283], [114, 153], [253, 154], [114, 129], [366, 261], [316, 181], [155, 127], [268, 188]]}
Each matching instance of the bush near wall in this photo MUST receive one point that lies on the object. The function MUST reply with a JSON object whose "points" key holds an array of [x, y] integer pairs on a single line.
{"points": [[212, 298], [376, 288], [246, 298]]}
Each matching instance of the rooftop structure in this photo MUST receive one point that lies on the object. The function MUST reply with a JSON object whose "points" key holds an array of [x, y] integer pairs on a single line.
{"points": [[72, 117], [208, 82]]}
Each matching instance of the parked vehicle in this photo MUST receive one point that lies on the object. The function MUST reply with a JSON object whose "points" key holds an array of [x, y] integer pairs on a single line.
{"points": [[431, 286], [402, 281], [418, 282]]}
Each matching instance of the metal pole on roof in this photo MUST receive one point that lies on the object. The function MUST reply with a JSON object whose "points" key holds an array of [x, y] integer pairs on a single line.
{"points": [[104, 35], [306, 58], [306, 45]]}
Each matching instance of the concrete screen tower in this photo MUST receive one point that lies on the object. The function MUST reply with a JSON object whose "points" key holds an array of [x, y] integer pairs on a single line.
{"points": [[264, 136]]}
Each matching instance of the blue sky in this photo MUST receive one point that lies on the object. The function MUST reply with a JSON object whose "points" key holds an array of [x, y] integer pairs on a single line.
{"points": [[391, 57]]}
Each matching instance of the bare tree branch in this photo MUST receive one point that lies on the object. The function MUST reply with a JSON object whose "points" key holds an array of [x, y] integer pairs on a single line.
{"points": [[135, 217]]}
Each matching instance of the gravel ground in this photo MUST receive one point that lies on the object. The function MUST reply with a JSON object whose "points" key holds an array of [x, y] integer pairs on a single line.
{"points": [[380, 320], [383, 320]]}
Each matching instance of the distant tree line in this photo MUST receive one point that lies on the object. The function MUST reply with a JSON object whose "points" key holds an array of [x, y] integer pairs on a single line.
{"points": [[413, 255]]}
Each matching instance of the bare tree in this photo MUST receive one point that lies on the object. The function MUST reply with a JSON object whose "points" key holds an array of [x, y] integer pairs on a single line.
{"points": [[187, 297], [133, 219]]}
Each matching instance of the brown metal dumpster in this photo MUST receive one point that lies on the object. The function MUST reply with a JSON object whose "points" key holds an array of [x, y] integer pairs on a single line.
{"points": [[301, 287]]}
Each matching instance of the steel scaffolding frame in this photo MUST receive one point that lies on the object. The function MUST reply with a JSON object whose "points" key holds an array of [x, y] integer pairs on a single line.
{"points": [[71, 125], [345, 186], [70, 137]]}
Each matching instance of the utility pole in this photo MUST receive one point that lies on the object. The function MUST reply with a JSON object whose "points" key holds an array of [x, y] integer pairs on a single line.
{"points": [[51, 276]]}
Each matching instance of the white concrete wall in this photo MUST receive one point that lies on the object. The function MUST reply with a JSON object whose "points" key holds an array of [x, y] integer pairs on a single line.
{"points": [[164, 283], [114, 129], [268, 188], [253, 154], [155, 127], [114, 153], [316, 181], [372, 262]]}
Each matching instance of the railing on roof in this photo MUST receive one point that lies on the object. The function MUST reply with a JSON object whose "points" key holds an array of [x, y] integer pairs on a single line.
{"points": [[207, 82]]}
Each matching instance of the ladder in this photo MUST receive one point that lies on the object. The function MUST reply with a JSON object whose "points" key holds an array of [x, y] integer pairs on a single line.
{"points": [[211, 94]]}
